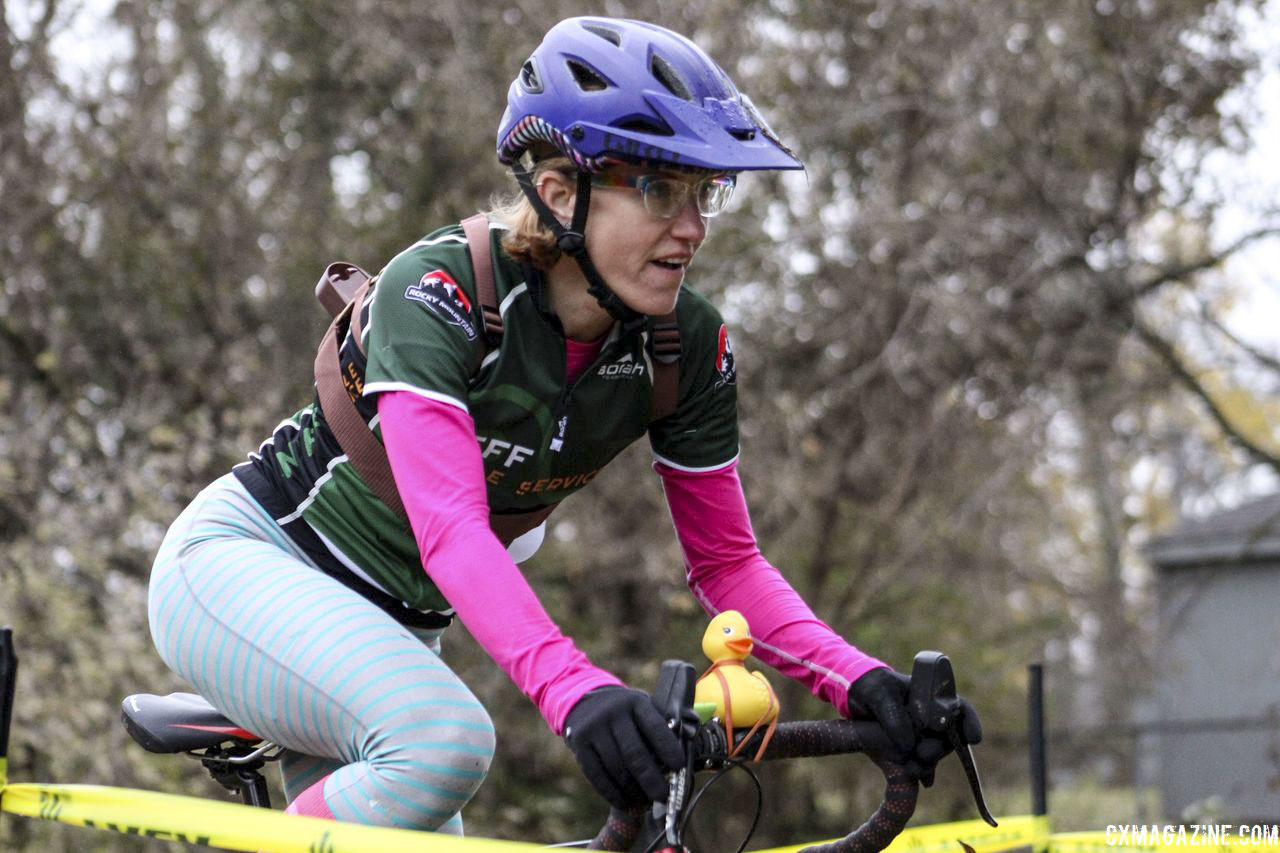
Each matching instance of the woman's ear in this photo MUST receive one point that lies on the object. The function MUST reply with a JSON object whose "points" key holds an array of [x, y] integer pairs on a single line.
{"points": [[558, 192]]}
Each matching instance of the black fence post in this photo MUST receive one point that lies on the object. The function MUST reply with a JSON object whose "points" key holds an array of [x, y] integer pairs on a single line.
{"points": [[1036, 740], [8, 681]]}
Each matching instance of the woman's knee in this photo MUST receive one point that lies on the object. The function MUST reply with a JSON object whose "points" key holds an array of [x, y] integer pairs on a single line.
{"points": [[431, 756], [452, 731]]}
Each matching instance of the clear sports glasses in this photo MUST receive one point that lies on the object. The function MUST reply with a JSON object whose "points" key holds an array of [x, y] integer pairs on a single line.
{"points": [[666, 197]]}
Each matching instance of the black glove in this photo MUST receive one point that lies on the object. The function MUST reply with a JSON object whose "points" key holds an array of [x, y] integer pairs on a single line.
{"points": [[881, 695], [623, 745]]}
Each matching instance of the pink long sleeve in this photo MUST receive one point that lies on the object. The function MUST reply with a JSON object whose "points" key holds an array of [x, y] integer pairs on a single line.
{"points": [[441, 482], [726, 571]]}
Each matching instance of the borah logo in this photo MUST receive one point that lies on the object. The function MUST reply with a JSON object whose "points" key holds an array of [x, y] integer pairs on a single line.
{"points": [[441, 294], [724, 360], [623, 368]]}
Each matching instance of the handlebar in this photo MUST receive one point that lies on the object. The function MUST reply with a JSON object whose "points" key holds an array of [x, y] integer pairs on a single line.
{"points": [[933, 705], [812, 739], [802, 739]]}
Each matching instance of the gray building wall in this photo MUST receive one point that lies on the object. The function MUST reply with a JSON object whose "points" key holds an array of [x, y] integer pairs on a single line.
{"points": [[1218, 693], [1219, 682]]}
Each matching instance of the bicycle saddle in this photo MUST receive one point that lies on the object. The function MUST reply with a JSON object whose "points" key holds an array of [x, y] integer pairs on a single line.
{"points": [[179, 722]]}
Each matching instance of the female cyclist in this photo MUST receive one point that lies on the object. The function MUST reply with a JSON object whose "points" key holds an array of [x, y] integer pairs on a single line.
{"points": [[309, 611]]}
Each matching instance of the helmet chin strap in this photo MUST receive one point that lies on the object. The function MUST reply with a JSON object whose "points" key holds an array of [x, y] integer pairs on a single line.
{"points": [[572, 241]]}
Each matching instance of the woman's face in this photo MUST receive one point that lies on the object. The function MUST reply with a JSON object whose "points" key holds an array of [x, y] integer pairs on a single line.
{"points": [[640, 256]]}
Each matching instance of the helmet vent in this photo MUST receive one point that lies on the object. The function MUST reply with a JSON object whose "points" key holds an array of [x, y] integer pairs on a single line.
{"points": [[644, 124], [586, 78], [669, 77], [530, 80], [607, 33]]}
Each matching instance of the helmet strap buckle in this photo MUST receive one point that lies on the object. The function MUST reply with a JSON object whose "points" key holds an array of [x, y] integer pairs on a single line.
{"points": [[571, 242]]}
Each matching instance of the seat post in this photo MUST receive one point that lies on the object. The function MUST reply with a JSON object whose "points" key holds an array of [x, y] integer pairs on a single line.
{"points": [[253, 788], [244, 779]]}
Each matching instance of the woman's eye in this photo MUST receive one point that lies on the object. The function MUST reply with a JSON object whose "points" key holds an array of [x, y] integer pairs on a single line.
{"points": [[662, 190]]}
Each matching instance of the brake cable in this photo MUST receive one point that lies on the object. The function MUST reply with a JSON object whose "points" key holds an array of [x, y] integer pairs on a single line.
{"points": [[755, 780], [730, 765]]}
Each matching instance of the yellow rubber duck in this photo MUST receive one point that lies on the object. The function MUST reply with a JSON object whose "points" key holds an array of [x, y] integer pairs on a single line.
{"points": [[743, 699]]}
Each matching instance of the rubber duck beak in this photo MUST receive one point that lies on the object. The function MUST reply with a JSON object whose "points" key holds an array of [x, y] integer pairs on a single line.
{"points": [[741, 645]]}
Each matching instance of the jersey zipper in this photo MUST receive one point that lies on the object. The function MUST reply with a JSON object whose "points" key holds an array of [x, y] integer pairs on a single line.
{"points": [[560, 414]]}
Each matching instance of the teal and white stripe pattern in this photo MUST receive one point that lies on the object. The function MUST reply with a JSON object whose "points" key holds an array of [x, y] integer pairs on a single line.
{"points": [[361, 702]]}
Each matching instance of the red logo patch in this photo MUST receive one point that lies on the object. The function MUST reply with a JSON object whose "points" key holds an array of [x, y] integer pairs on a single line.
{"points": [[724, 359], [441, 279]]}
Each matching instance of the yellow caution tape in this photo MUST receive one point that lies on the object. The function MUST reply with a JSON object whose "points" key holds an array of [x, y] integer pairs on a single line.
{"points": [[237, 827], [227, 825], [1013, 832]]}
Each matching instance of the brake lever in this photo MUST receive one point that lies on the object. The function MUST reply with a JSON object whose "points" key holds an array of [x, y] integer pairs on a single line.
{"points": [[673, 698], [934, 707]]}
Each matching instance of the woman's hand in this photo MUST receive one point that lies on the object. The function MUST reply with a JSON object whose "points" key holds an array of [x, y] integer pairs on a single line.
{"points": [[623, 745], [881, 695]]}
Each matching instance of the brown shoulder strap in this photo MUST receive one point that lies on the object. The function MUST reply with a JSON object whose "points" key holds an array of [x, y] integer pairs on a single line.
{"points": [[337, 396], [477, 230], [357, 316], [666, 367], [338, 284], [338, 393], [365, 453]]}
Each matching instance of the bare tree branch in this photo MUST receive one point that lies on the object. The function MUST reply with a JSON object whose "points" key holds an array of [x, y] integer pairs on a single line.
{"points": [[1183, 374], [1184, 271], [1256, 354]]}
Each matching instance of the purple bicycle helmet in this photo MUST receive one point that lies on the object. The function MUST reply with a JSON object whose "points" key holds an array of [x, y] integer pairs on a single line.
{"points": [[602, 89]]}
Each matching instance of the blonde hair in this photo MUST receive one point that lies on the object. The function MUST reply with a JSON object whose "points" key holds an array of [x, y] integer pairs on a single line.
{"points": [[527, 238]]}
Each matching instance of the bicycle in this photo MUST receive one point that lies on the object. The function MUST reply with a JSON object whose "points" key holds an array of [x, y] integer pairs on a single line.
{"points": [[234, 757]]}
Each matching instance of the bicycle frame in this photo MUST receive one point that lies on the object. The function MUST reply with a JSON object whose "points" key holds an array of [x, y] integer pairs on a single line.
{"points": [[707, 748], [185, 723]]}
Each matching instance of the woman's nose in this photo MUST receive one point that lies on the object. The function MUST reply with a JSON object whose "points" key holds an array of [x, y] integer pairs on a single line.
{"points": [[689, 224]]}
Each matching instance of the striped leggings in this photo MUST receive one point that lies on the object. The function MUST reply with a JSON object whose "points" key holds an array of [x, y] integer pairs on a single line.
{"points": [[372, 720]]}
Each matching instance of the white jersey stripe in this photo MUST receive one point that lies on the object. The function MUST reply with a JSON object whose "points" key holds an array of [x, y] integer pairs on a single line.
{"points": [[347, 561], [689, 470], [315, 490], [379, 387], [515, 291], [287, 423], [447, 238], [368, 323], [355, 569]]}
